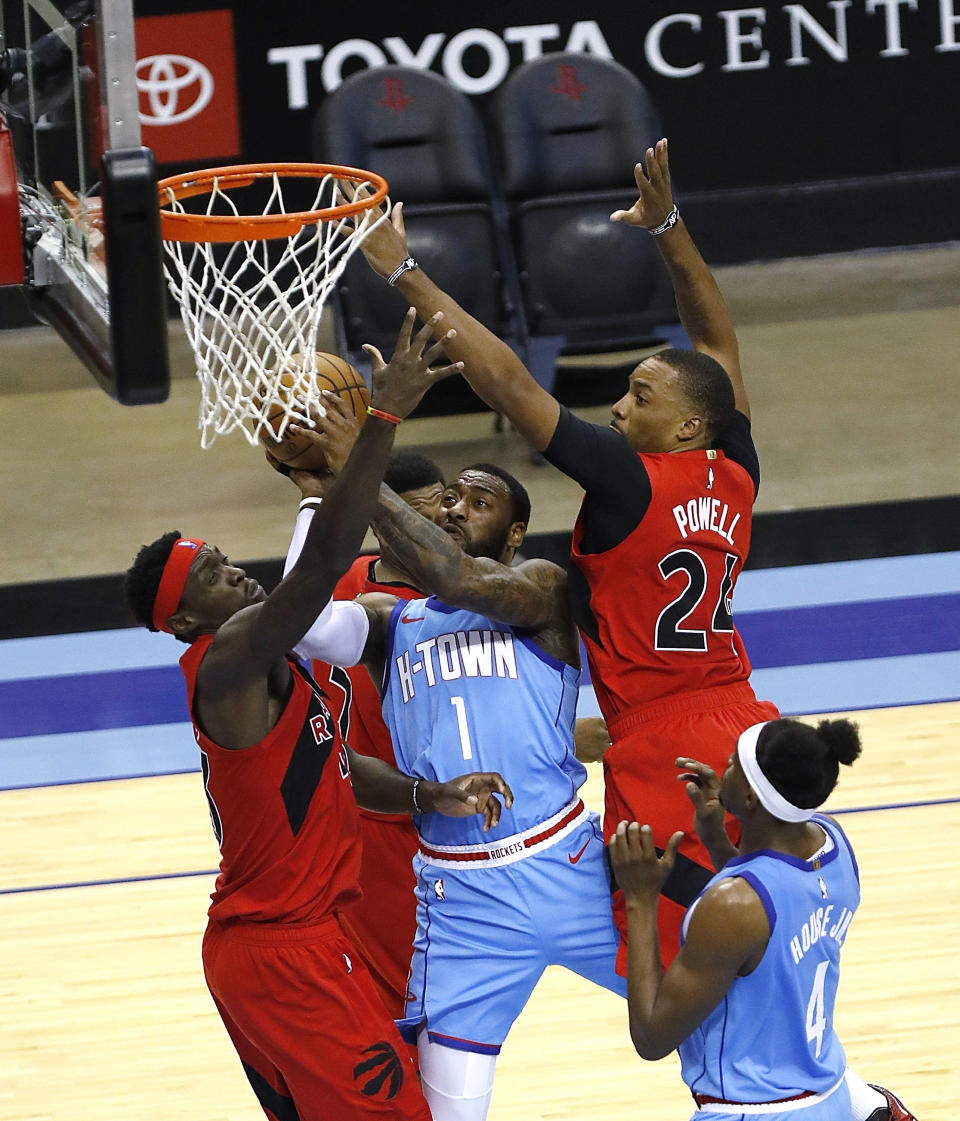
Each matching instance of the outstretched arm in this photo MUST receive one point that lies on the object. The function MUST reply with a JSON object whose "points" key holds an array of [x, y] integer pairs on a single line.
{"points": [[254, 638], [490, 366], [703, 310], [529, 595]]}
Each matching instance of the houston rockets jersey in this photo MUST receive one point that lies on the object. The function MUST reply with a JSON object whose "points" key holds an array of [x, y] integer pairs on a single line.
{"points": [[465, 693], [660, 616], [772, 1034], [283, 811]]}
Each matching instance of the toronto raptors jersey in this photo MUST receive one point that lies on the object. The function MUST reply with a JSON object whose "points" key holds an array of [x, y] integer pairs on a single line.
{"points": [[660, 616], [283, 811], [350, 693]]}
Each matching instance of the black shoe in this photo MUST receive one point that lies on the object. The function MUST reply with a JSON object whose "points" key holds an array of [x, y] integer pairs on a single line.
{"points": [[894, 1110]]}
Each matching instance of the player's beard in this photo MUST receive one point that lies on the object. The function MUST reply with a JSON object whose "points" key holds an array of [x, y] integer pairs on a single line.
{"points": [[492, 546]]}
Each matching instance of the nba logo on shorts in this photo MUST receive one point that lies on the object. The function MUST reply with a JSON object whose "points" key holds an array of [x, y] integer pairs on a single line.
{"points": [[438, 888], [187, 85]]}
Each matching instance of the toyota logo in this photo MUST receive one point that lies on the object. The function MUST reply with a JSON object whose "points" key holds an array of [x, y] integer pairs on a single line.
{"points": [[177, 88]]}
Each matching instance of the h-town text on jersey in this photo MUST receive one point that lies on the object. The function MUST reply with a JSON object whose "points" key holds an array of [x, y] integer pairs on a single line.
{"points": [[454, 655]]}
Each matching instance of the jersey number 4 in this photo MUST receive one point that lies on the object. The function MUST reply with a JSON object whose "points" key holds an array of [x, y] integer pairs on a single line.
{"points": [[816, 1021], [671, 635]]}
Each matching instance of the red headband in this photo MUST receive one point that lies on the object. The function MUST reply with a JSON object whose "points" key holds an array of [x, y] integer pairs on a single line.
{"points": [[182, 555]]}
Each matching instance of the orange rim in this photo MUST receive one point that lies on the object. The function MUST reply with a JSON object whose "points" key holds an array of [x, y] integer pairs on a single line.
{"points": [[255, 227]]}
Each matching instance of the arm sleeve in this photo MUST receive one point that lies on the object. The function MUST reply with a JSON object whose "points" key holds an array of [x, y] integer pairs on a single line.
{"points": [[736, 443], [611, 473], [339, 633], [308, 507]]}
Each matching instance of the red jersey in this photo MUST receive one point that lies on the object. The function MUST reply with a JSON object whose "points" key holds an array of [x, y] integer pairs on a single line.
{"points": [[283, 811], [661, 599], [383, 923], [351, 693]]}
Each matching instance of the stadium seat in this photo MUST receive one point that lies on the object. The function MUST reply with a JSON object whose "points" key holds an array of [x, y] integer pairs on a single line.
{"points": [[567, 130], [426, 138]]}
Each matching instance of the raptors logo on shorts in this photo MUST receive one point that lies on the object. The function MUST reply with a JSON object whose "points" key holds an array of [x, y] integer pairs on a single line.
{"points": [[383, 1071]]}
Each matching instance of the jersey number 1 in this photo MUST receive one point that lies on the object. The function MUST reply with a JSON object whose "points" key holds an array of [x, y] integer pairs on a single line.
{"points": [[461, 708]]}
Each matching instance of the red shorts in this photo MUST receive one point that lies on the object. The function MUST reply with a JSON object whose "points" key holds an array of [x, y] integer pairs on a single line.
{"points": [[640, 784], [308, 1024], [383, 923]]}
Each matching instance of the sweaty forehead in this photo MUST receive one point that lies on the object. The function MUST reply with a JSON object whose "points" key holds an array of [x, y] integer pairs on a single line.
{"points": [[481, 480]]}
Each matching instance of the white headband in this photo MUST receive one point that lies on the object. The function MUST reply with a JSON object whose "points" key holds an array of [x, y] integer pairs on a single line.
{"points": [[770, 798]]}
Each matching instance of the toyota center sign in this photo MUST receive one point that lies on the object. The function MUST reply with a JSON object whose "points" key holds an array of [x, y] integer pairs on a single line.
{"points": [[850, 98]]}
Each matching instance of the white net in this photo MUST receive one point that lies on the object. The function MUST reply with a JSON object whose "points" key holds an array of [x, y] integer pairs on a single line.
{"points": [[252, 309]]}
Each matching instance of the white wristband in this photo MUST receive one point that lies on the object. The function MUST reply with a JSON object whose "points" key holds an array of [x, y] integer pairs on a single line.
{"points": [[405, 265], [668, 223]]}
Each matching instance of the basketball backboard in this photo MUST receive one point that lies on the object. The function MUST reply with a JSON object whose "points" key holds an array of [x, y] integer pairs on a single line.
{"points": [[87, 188]]}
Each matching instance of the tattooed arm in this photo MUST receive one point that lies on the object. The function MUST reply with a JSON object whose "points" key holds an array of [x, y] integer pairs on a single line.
{"points": [[531, 595]]}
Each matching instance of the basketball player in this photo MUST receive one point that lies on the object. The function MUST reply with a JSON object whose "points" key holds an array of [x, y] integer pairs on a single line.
{"points": [[312, 1035], [487, 669], [749, 998], [660, 540], [383, 921]]}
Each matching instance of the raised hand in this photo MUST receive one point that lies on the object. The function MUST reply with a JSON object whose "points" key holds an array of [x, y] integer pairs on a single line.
{"points": [[384, 244], [399, 385], [656, 196], [638, 870], [470, 794], [334, 434], [703, 790]]}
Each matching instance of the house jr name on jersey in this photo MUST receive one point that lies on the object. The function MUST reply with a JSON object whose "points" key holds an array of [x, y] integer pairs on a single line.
{"points": [[458, 654]]}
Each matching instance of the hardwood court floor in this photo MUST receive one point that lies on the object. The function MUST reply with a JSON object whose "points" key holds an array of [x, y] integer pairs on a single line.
{"points": [[105, 1016]]}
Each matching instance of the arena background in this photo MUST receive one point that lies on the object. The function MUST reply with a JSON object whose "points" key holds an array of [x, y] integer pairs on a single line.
{"points": [[817, 163]]}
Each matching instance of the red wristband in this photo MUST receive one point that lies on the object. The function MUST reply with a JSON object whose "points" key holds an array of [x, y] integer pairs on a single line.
{"points": [[381, 415]]}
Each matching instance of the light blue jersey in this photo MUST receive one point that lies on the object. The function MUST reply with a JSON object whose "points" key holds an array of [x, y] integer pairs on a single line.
{"points": [[772, 1037], [464, 693]]}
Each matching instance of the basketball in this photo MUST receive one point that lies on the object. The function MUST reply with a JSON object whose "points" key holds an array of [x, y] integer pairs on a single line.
{"points": [[332, 373]]}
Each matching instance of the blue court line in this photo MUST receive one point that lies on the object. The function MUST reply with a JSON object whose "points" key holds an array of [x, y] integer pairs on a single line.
{"points": [[866, 683], [846, 632], [214, 871], [99, 756], [91, 652], [757, 590], [108, 883], [164, 749], [811, 585], [127, 698]]}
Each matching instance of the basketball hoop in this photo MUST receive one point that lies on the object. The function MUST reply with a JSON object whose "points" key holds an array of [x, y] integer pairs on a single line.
{"points": [[252, 283]]}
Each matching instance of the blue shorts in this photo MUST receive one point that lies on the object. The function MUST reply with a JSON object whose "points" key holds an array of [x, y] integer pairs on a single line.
{"points": [[485, 936]]}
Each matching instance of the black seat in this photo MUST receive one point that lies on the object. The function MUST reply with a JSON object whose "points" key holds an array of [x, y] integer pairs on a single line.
{"points": [[568, 129], [425, 137]]}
